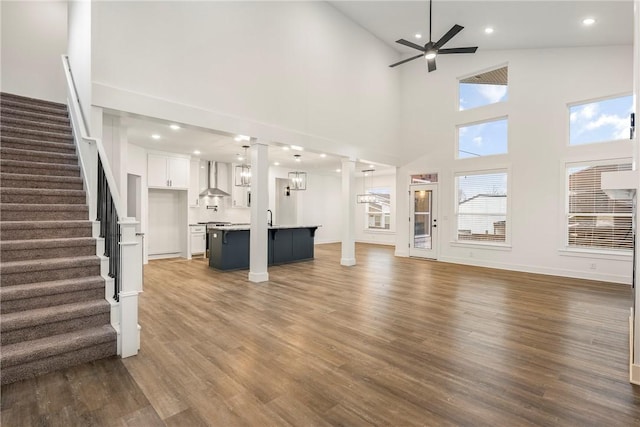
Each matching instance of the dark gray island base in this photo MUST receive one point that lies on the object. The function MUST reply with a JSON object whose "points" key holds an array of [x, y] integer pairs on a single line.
{"points": [[229, 246]]}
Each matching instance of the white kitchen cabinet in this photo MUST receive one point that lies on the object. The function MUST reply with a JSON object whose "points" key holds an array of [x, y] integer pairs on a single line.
{"points": [[166, 171], [198, 239], [193, 193]]}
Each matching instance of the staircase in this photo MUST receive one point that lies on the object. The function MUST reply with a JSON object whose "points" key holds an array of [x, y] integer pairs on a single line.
{"points": [[53, 311]]}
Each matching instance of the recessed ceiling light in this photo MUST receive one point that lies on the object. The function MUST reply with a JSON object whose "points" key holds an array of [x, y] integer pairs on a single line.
{"points": [[242, 138], [488, 30], [297, 148], [276, 163], [155, 136], [174, 127], [418, 36], [196, 152], [371, 166], [338, 170], [323, 155], [588, 21], [285, 148]]}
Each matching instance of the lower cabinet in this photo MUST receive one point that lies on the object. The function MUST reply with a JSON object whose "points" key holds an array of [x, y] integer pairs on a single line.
{"points": [[198, 240]]}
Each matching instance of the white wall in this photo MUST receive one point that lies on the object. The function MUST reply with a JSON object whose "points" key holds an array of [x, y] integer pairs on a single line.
{"points": [[137, 165], [272, 70], [541, 84], [34, 36], [79, 52], [382, 237]]}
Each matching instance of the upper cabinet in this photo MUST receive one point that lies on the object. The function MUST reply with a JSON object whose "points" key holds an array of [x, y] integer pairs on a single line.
{"points": [[167, 171], [193, 194]]}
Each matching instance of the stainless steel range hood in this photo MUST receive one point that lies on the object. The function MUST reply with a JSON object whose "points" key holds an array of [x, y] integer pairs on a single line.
{"points": [[213, 182]]}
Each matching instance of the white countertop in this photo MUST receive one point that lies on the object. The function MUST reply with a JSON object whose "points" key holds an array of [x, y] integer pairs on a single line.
{"points": [[246, 227]]}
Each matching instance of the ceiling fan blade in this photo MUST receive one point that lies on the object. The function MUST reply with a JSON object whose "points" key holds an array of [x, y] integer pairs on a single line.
{"points": [[410, 44], [458, 50], [431, 64], [452, 32], [407, 60]]}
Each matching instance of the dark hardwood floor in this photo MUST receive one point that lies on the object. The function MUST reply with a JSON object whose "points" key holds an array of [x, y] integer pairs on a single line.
{"points": [[390, 341]]}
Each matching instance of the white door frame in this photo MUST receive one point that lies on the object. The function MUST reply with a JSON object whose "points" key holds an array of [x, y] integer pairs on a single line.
{"points": [[428, 247]]}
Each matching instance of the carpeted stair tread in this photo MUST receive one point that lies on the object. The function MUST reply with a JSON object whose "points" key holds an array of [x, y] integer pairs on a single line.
{"points": [[54, 287], [47, 315], [41, 108], [8, 153], [35, 145], [43, 212], [11, 97], [18, 180], [34, 116], [38, 133], [19, 166], [28, 351], [18, 250], [47, 264], [47, 196], [46, 243], [29, 230], [17, 122]]}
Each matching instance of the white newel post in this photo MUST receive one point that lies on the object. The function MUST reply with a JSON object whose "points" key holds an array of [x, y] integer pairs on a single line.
{"points": [[348, 213], [259, 233], [130, 287]]}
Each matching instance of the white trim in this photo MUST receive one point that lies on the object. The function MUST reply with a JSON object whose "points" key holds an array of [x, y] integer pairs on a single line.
{"points": [[622, 279], [481, 245], [598, 254], [258, 277]]}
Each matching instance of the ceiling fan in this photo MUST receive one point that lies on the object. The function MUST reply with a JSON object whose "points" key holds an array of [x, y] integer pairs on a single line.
{"points": [[431, 49]]}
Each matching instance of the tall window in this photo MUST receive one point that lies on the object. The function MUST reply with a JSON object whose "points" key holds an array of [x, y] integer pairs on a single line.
{"points": [[482, 139], [481, 211], [600, 121], [483, 89], [593, 219], [379, 212]]}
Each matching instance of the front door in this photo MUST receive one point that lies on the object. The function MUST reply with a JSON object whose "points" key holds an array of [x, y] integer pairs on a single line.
{"points": [[423, 221]]}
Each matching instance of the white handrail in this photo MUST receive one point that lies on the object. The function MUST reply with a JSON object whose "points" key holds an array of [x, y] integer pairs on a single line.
{"points": [[80, 131]]}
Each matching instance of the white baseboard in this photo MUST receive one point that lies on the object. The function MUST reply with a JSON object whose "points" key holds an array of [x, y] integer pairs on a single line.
{"points": [[604, 277], [165, 256]]}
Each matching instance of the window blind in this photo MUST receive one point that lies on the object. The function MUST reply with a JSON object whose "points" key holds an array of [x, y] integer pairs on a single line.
{"points": [[593, 219]]}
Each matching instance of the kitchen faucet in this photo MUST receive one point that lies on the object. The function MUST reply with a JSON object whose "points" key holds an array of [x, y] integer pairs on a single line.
{"points": [[270, 221]]}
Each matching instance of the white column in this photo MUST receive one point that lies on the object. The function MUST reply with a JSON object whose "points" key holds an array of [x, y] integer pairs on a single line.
{"points": [[634, 320], [130, 287], [258, 239], [348, 213]]}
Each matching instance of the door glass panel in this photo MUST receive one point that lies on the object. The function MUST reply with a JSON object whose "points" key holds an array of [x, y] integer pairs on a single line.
{"points": [[422, 219]]}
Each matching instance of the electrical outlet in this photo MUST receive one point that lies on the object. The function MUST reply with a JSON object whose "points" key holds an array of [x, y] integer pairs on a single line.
{"points": [[592, 265]]}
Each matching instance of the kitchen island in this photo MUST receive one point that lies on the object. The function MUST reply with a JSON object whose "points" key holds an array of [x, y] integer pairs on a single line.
{"points": [[229, 245]]}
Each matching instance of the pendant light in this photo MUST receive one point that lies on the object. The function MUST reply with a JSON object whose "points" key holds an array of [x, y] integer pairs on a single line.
{"points": [[366, 197], [298, 179], [243, 171]]}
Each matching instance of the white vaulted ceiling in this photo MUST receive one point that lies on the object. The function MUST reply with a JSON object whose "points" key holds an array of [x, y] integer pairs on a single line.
{"points": [[517, 24]]}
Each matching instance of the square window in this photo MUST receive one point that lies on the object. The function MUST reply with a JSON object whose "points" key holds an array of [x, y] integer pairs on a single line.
{"points": [[594, 221], [600, 121], [482, 139], [481, 210], [483, 89]]}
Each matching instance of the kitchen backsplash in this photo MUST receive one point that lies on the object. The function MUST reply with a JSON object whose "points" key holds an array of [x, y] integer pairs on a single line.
{"points": [[224, 213]]}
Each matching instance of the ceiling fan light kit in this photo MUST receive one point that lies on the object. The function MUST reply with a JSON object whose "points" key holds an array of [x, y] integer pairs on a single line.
{"points": [[431, 50]]}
